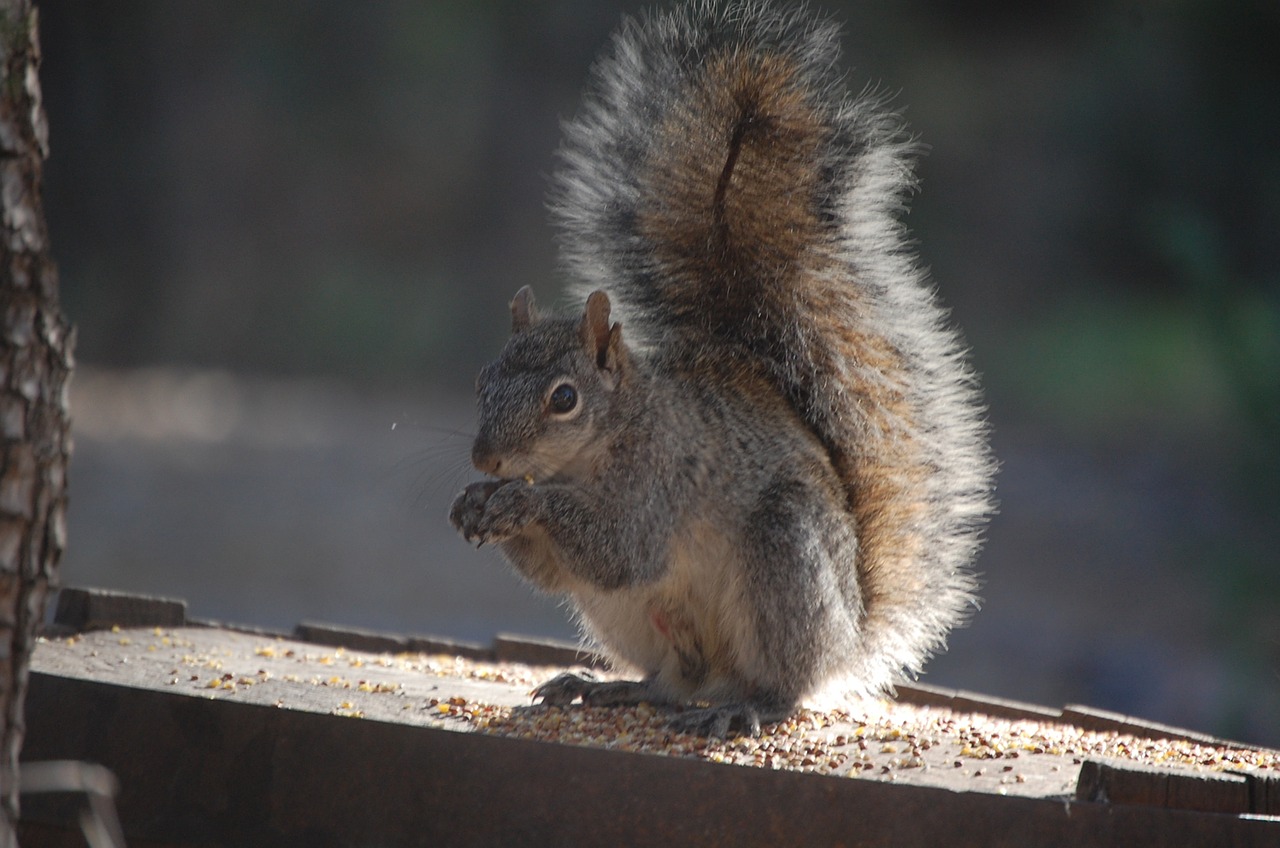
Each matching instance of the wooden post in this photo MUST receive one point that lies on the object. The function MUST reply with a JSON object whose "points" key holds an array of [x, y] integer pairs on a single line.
{"points": [[36, 344]]}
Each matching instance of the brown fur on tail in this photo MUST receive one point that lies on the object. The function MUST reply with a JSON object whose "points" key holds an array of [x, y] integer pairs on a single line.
{"points": [[726, 190]]}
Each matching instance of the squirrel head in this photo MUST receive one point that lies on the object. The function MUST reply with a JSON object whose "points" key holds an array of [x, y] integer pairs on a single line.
{"points": [[544, 401]]}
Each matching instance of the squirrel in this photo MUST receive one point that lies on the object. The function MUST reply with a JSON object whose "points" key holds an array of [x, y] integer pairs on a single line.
{"points": [[775, 478]]}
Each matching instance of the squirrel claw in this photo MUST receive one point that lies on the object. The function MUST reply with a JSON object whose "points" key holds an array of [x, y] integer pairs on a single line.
{"points": [[719, 722], [564, 689], [468, 512]]}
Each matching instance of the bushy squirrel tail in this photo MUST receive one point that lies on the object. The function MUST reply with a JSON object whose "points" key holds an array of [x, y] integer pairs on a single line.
{"points": [[724, 188]]}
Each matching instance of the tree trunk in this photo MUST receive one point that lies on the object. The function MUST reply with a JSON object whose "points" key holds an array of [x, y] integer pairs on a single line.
{"points": [[35, 364]]}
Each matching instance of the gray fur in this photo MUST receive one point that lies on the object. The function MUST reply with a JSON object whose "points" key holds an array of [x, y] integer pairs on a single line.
{"points": [[698, 504]]}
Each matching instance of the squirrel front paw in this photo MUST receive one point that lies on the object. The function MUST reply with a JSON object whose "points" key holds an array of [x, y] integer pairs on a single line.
{"points": [[468, 508], [491, 510]]}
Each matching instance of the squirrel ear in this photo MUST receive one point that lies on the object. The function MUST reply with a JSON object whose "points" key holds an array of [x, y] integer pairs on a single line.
{"points": [[594, 328], [602, 341], [524, 313]]}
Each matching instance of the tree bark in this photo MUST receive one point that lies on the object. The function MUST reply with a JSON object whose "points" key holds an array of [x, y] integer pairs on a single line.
{"points": [[35, 364]]}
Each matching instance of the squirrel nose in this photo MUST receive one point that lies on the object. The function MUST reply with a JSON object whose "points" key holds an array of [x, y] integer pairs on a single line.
{"points": [[485, 461]]}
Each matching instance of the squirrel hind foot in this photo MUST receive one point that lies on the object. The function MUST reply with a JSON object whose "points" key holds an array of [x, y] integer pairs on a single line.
{"points": [[564, 689], [722, 721], [742, 718]]}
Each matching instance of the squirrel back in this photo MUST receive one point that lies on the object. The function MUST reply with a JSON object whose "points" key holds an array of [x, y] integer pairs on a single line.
{"points": [[728, 193]]}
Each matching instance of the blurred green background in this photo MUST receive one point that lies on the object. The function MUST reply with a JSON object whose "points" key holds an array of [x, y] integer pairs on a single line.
{"points": [[317, 211]]}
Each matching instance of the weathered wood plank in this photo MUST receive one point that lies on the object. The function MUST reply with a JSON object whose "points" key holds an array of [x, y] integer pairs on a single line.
{"points": [[196, 771], [242, 738]]}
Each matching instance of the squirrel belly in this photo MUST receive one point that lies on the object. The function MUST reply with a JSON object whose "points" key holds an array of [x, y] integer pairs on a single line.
{"points": [[777, 475], [749, 600]]}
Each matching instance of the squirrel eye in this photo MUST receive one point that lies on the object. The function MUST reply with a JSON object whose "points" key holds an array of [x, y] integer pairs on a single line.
{"points": [[563, 399]]}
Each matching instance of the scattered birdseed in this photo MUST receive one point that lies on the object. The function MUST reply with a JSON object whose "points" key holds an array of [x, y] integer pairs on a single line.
{"points": [[881, 740], [804, 743]]}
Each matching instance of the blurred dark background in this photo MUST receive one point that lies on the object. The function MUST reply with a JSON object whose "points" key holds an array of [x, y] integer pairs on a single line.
{"points": [[288, 232]]}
